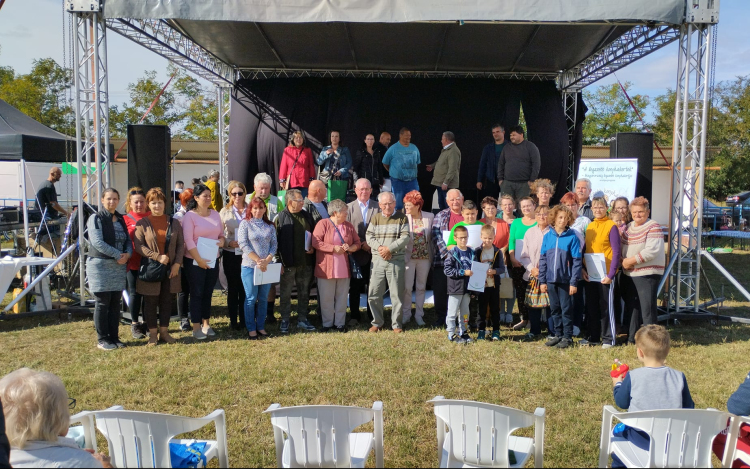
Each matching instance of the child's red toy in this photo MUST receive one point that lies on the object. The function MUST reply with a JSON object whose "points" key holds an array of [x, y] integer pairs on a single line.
{"points": [[619, 369]]}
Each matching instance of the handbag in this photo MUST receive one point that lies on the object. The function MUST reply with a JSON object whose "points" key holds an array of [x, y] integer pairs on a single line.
{"points": [[354, 270], [534, 296], [154, 271]]}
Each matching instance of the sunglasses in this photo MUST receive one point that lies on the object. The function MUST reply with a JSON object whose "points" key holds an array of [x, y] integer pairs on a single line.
{"points": [[237, 194]]}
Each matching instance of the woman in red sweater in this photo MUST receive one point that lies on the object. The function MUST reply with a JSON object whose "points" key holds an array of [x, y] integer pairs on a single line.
{"points": [[136, 209], [297, 165]]}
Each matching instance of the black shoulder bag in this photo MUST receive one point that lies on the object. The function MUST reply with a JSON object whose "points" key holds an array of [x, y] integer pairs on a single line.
{"points": [[155, 271]]}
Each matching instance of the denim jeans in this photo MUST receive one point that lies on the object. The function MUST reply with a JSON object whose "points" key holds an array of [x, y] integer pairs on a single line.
{"points": [[401, 188], [561, 308], [254, 319], [442, 202]]}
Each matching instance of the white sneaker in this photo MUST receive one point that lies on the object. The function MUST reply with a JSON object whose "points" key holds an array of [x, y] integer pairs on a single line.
{"points": [[419, 321], [208, 331], [199, 335]]}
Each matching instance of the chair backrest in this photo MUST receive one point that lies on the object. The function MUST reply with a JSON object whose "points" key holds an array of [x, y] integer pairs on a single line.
{"points": [[141, 439], [479, 432], [679, 437], [319, 435]]}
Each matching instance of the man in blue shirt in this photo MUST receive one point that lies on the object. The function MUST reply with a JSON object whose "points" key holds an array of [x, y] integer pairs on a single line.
{"points": [[401, 162]]}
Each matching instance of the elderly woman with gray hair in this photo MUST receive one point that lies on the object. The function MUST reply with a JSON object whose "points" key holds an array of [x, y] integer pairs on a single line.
{"points": [[37, 417], [333, 240]]}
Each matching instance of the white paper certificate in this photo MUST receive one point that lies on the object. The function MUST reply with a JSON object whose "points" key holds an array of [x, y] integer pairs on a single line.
{"points": [[475, 236], [479, 276], [271, 275], [596, 266], [208, 249], [446, 236]]}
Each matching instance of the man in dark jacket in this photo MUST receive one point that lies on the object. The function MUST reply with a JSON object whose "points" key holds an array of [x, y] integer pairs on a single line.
{"points": [[518, 165], [294, 227], [315, 202], [487, 175]]}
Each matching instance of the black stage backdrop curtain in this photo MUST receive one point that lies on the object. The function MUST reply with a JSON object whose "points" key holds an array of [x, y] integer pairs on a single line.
{"points": [[265, 112]]}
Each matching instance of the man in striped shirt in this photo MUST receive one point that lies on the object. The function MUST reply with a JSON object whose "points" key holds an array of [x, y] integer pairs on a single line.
{"points": [[387, 236]]}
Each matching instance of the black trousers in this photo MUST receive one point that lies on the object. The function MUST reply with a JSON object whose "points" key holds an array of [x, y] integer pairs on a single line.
{"points": [[162, 302], [183, 307], [356, 288], [107, 315], [600, 313], [491, 297], [490, 189], [440, 291], [202, 284], [520, 285], [136, 299], [640, 301], [235, 290]]}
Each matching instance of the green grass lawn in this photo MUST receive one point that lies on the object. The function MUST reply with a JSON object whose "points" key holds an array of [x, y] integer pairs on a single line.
{"points": [[357, 368]]}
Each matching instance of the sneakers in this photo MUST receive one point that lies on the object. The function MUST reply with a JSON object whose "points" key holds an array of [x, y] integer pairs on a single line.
{"points": [[341, 329], [353, 323], [564, 343], [495, 336], [185, 325], [198, 334], [465, 339], [452, 337], [135, 330], [553, 341], [419, 321], [284, 327], [586, 342], [325, 329], [530, 336], [106, 345], [305, 326], [606, 346], [480, 335], [209, 332], [119, 344]]}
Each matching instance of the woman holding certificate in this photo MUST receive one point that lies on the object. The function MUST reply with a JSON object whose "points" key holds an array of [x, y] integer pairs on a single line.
{"points": [[257, 239], [334, 239], [204, 236], [601, 260]]}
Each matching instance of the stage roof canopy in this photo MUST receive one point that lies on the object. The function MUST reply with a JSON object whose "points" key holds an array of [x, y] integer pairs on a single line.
{"points": [[508, 36]]}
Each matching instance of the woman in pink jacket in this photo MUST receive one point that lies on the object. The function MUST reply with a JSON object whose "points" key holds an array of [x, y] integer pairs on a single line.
{"points": [[297, 167], [333, 240]]}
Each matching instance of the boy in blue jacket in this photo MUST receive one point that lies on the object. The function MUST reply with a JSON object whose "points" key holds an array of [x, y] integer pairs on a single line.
{"points": [[457, 268], [559, 273]]}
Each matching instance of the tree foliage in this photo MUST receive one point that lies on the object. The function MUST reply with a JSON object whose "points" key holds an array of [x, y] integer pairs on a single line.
{"points": [[609, 112]]}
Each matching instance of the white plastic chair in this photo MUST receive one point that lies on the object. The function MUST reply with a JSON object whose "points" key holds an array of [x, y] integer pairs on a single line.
{"points": [[731, 453], [679, 437], [141, 439], [479, 434], [86, 419], [321, 436]]}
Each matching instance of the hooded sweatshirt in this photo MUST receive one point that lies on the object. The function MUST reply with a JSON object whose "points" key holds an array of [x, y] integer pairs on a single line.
{"points": [[560, 258]]}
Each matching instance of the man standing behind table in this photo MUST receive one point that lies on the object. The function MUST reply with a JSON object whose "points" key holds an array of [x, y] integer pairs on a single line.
{"points": [[46, 198], [315, 202], [401, 161], [487, 175], [583, 192], [447, 168], [444, 221], [387, 235], [360, 214], [518, 165], [217, 201], [262, 189]]}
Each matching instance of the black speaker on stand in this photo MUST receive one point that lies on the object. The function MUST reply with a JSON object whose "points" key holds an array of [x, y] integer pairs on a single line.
{"points": [[640, 146], [148, 158]]}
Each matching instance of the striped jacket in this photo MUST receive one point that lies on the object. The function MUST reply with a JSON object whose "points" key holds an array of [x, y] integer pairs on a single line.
{"points": [[646, 244], [392, 232]]}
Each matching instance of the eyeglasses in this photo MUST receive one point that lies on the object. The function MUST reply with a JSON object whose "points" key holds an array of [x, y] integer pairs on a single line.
{"points": [[238, 194], [461, 237], [71, 403], [387, 204]]}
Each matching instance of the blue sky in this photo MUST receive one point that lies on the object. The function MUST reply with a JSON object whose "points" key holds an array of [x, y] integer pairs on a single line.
{"points": [[31, 29]]}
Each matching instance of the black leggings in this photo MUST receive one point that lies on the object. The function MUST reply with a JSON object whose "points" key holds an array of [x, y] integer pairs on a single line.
{"points": [[235, 290], [162, 301], [107, 315], [202, 283], [135, 299], [520, 285], [183, 308]]}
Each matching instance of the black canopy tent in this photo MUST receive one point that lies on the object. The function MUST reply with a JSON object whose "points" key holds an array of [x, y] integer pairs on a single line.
{"points": [[23, 138]]}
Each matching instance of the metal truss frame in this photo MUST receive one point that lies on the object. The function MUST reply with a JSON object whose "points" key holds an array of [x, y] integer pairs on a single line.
{"points": [[92, 116], [263, 73], [689, 157], [160, 37], [638, 42], [570, 106], [223, 103]]}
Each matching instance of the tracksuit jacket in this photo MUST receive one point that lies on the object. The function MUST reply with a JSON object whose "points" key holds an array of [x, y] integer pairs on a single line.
{"points": [[560, 258], [454, 267]]}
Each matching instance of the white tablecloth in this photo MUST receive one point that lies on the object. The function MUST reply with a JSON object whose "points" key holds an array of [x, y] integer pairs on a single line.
{"points": [[9, 267]]}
